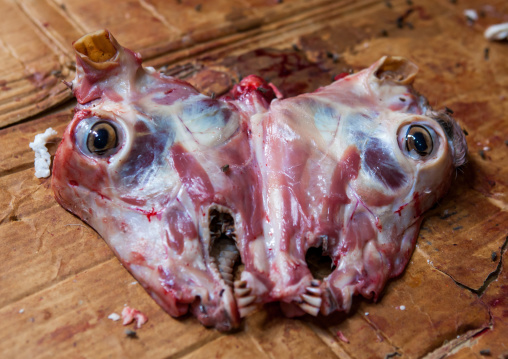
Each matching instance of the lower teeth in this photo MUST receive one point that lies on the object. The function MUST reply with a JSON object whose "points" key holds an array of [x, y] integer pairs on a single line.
{"points": [[224, 250]]}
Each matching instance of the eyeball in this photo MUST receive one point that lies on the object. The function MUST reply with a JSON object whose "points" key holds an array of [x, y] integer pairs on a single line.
{"points": [[419, 141], [102, 137], [99, 136]]}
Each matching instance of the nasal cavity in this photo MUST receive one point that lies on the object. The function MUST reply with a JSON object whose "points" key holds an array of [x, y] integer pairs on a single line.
{"points": [[319, 262], [223, 251]]}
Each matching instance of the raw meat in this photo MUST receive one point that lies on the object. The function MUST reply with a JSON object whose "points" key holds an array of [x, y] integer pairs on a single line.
{"points": [[216, 206]]}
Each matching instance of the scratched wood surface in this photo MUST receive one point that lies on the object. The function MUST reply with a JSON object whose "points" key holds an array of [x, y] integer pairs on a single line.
{"points": [[58, 279]]}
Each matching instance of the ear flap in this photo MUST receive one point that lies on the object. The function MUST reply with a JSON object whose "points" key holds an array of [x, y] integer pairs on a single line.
{"points": [[395, 69]]}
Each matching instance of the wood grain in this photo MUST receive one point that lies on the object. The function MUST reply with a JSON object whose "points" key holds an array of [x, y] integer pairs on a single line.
{"points": [[58, 279], [32, 68]]}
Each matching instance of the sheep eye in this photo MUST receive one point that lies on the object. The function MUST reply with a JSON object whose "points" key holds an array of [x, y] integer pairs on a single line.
{"points": [[102, 137], [419, 141]]}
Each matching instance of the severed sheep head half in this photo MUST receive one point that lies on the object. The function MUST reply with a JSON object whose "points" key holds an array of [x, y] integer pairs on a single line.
{"points": [[218, 206]]}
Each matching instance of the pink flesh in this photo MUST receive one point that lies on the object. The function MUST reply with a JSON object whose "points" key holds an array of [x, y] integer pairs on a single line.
{"points": [[321, 169]]}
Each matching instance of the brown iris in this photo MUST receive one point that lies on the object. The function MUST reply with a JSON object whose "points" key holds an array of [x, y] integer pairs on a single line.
{"points": [[419, 140], [101, 138]]}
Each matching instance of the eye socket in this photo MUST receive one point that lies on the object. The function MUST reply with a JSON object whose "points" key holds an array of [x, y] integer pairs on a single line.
{"points": [[102, 137], [419, 141]]}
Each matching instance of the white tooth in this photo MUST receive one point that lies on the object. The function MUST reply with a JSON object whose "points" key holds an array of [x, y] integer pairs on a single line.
{"points": [[246, 311], [226, 269], [245, 301], [315, 301], [242, 292], [227, 276], [309, 309], [314, 290], [315, 283], [240, 284], [230, 255], [228, 282], [226, 261]]}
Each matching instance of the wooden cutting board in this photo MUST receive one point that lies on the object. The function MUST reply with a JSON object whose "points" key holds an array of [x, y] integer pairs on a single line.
{"points": [[58, 279]]}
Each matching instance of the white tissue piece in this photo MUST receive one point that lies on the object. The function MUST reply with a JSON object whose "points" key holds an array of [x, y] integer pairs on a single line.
{"points": [[114, 317], [42, 156], [497, 32]]}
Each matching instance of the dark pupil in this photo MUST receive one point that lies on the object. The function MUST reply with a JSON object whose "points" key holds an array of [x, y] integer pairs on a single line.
{"points": [[101, 139], [419, 142]]}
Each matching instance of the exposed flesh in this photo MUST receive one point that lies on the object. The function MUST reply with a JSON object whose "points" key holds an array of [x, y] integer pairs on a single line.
{"points": [[196, 185]]}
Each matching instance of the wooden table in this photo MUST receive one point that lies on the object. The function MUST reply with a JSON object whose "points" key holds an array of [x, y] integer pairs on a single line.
{"points": [[59, 281]]}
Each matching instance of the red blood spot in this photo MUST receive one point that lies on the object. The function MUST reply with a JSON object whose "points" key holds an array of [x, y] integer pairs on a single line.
{"points": [[82, 115], [124, 227], [254, 83], [73, 183], [137, 258], [416, 200], [400, 209], [149, 214], [340, 76], [103, 196]]}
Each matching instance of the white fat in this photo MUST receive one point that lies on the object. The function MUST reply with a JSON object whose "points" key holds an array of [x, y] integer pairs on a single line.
{"points": [[471, 14], [497, 32], [42, 156], [150, 70], [114, 317]]}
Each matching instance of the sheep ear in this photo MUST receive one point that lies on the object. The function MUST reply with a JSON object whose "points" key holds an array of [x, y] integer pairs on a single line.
{"points": [[395, 69]]}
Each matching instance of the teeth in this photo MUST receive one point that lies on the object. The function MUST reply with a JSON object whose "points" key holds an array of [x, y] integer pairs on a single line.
{"points": [[245, 301], [227, 277], [311, 300], [226, 269], [240, 284], [246, 311], [223, 250], [309, 309], [314, 290], [242, 292], [226, 262], [231, 255], [315, 301]]}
